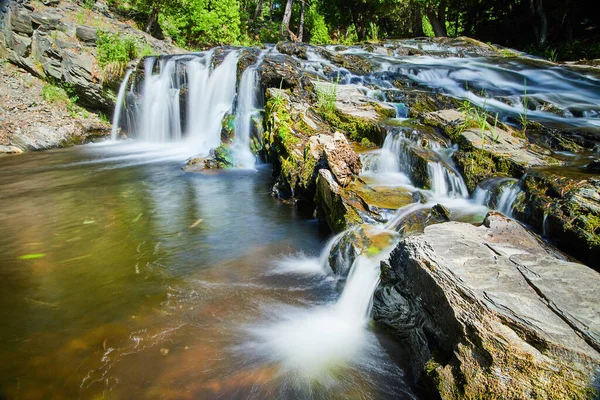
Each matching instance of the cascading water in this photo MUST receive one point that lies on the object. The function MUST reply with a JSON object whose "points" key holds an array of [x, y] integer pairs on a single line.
{"points": [[498, 193], [508, 197], [119, 105], [160, 113], [384, 164], [247, 104], [310, 344], [210, 97], [445, 180], [169, 83]]}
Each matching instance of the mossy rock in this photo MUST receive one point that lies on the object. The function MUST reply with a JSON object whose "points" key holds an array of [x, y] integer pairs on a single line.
{"points": [[228, 129], [222, 158]]}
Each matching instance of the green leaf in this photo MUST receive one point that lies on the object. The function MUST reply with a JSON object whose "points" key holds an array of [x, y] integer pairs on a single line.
{"points": [[136, 219], [31, 256]]}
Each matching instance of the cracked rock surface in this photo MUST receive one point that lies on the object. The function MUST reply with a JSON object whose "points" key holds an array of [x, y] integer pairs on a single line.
{"points": [[491, 309]]}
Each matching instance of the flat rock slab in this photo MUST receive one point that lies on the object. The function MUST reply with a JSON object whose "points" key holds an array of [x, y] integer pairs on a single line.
{"points": [[517, 321], [496, 140], [351, 100]]}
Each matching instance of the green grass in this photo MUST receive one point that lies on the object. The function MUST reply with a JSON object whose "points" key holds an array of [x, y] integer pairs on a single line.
{"points": [[54, 94], [326, 96]]}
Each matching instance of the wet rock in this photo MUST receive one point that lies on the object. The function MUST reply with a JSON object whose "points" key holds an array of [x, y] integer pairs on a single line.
{"points": [[566, 207], [491, 151], [280, 71], [593, 167], [487, 312], [333, 208], [228, 128], [292, 49], [365, 240]]}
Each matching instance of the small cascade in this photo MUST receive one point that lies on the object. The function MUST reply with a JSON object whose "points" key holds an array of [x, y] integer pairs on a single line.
{"points": [[247, 103], [508, 197], [311, 344], [499, 194], [119, 106], [445, 180]]}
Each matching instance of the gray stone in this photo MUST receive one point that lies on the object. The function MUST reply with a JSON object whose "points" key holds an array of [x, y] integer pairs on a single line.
{"points": [[22, 45], [87, 34], [46, 21], [21, 21], [492, 313]]}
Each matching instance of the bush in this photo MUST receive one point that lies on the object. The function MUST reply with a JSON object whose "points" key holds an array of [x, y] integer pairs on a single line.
{"points": [[315, 23], [114, 48]]}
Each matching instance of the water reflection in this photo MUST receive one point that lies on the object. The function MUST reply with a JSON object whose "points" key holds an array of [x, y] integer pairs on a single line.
{"points": [[145, 277]]}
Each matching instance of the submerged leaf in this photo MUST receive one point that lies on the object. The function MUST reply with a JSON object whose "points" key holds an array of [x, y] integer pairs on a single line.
{"points": [[31, 256], [136, 219]]}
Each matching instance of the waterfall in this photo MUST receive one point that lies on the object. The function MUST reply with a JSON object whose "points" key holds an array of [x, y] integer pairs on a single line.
{"points": [[160, 117], [508, 197], [246, 107], [119, 105], [446, 182], [210, 97], [388, 164], [187, 81], [498, 193]]}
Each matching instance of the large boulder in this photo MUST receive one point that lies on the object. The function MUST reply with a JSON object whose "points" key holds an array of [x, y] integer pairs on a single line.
{"points": [[491, 312]]}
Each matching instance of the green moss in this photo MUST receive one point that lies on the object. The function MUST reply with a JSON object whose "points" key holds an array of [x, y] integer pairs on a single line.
{"points": [[384, 112], [228, 129], [356, 128]]}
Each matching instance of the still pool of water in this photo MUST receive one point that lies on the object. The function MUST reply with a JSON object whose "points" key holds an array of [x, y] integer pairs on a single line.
{"points": [[123, 276]]}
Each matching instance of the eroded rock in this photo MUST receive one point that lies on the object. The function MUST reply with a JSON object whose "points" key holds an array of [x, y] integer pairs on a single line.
{"points": [[487, 312]]}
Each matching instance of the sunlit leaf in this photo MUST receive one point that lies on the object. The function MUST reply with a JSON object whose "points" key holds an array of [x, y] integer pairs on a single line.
{"points": [[31, 256]]}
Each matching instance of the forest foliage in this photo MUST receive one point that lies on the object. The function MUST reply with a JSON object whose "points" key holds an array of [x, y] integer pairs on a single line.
{"points": [[559, 29]]}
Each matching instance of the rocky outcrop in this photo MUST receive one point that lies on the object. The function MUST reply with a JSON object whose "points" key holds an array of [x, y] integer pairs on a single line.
{"points": [[490, 312], [32, 120], [55, 41]]}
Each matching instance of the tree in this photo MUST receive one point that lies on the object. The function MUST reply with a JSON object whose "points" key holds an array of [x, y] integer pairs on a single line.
{"points": [[287, 16], [301, 24]]}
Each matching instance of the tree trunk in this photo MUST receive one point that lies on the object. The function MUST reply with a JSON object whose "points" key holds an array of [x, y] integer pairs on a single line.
{"points": [[258, 12], [301, 27], [438, 29], [153, 17], [438, 20], [541, 28], [287, 16], [417, 23]]}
